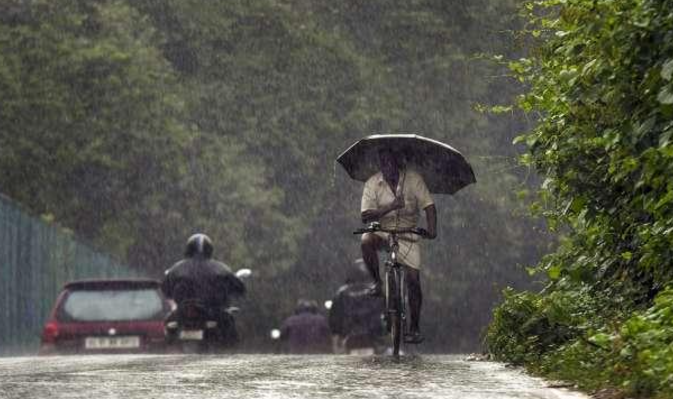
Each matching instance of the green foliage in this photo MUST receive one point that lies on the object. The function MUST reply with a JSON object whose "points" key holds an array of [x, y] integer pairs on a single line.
{"points": [[100, 137], [527, 325], [84, 88], [561, 336], [580, 361], [603, 142], [644, 361], [506, 340], [599, 75]]}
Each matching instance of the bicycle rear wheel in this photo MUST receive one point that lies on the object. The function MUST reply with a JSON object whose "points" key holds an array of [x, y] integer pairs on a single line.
{"points": [[394, 309]]}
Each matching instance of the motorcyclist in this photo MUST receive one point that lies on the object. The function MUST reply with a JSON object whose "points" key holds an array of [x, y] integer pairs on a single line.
{"points": [[201, 279], [306, 331], [354, 312]]}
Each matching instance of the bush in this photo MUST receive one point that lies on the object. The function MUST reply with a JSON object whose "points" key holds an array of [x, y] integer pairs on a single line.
{"points": [[600, 78], [528, 325], [644, 349], [564, 336]]}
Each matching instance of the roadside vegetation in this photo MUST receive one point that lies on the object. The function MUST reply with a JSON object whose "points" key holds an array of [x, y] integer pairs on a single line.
{"points": [[600, 86]]}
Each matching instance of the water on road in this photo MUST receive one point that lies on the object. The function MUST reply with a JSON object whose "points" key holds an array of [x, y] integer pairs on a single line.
{"points": [[266, 376]]}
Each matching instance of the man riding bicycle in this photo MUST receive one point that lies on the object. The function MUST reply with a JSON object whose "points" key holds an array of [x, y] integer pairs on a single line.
{"points": [[393, 197]]}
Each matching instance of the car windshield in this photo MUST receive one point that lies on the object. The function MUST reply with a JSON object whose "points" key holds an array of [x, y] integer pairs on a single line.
{"points": [[109, 305]]}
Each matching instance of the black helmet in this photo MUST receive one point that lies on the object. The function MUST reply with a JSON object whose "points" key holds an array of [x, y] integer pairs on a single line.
{"points": [[199, 245], [358, 273]]}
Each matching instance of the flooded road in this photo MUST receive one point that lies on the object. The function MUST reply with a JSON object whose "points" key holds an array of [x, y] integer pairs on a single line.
{"points": [[266, 376]]}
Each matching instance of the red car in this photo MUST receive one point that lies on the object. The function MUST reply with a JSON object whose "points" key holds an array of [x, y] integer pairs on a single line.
{"points": [[107, 316]]}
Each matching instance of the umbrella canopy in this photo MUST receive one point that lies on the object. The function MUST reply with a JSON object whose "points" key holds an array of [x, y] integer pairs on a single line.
{"points": [[443, 168]]}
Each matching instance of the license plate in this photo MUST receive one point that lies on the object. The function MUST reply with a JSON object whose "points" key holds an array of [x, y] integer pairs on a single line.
{"points": [[112, 342], [196, 335]]}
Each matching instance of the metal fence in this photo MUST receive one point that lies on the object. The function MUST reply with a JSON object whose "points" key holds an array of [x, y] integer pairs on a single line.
{"points": [[36, 259]]}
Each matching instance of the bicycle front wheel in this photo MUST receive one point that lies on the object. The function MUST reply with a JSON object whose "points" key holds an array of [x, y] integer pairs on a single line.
{"points": [[395, 310]]}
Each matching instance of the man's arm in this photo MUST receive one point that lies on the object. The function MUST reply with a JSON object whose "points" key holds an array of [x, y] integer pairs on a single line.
{"points": [[373, 215], [371, 210], [431, 221], [427, 204]]}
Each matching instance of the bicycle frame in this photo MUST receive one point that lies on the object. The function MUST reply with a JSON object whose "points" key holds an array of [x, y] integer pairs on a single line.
{"points": [[395, 284]]}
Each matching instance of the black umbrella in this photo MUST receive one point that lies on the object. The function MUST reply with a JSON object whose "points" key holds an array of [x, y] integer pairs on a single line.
{"points": [[443, 168]]}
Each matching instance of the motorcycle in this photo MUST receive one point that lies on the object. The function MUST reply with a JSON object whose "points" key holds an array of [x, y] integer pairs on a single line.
{"points": [[195, 328], [360, 341]]}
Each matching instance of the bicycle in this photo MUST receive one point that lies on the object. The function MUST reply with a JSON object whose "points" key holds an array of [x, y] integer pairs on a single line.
{"points": [[395, 286]]}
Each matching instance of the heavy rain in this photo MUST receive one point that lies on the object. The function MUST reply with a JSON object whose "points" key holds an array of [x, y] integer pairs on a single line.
{"points": [[419, 199]]}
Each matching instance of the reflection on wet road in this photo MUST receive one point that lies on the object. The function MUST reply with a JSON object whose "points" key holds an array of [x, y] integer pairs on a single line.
{"points": [[266, 376]]}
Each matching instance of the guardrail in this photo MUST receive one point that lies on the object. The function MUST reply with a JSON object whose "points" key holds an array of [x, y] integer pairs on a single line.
{"points": [[36, 259]]}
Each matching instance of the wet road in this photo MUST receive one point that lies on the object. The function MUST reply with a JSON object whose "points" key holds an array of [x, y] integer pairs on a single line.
{"points": [[266, 376]]}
